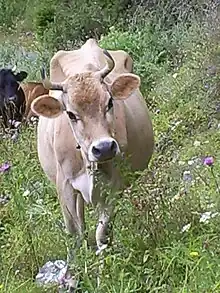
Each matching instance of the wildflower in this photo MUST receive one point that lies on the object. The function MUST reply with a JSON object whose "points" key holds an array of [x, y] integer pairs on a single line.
{"points": [[187, 176], [197, 143], [5, 167], [186, 228], [176, 197], [4, 199], [206, 216], [194, 253], [175, 75], [180, 194], [26, 193], [17, 124], [208, 161]]}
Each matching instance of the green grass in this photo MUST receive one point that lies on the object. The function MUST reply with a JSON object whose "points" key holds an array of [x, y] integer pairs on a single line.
{"points": [[149, 252]]}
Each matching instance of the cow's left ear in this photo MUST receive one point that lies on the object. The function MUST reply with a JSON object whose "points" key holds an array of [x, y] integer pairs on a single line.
{"points": [[123, 86], [21, 75], [47, 106]]}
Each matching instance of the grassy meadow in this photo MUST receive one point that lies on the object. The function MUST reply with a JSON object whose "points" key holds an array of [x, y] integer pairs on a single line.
{"points": [[167, 226]]}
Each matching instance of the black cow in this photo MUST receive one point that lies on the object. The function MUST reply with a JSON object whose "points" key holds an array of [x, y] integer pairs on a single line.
{"points": [[12, 98]]}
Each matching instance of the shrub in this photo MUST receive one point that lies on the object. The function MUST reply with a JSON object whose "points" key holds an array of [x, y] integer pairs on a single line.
{"points": [[70, 24], [44, 17], [11, 12]]}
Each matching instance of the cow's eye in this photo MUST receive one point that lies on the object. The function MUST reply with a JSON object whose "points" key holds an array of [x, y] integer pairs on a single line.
{"points": [[72, 116], [110, 104]]}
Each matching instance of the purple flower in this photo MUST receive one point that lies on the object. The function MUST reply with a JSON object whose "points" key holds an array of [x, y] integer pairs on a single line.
{"points": [[5, 167], [208, 161]]}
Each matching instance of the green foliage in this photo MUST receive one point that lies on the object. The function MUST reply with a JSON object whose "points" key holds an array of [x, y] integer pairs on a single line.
{"points": [[26, 59], [77, 20], [44, 17], [10, 11]]}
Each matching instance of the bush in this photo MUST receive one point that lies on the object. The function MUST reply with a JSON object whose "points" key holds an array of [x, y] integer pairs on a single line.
{"points": [[44, 17], [72, 23], [11, 12]]}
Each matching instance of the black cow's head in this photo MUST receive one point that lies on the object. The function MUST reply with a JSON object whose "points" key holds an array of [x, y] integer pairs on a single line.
{"points": [[9, 84], [12, 98]]}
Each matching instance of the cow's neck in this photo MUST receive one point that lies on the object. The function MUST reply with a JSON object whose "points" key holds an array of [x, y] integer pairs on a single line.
{"points": [[96, 180], [104, 178]]}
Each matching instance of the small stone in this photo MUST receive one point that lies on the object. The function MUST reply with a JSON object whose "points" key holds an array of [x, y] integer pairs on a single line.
{"points": [[56, 272]]}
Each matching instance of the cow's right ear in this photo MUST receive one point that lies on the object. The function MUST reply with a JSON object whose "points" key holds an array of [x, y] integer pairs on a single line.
{"points": [[47, 106], [21, 75]]}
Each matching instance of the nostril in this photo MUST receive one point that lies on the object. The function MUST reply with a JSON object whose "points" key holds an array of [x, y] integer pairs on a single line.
{"points": [[96, 152]]}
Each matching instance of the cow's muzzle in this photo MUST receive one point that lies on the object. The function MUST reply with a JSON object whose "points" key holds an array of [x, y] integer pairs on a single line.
{"points": [[12, 99], [103, 150]]}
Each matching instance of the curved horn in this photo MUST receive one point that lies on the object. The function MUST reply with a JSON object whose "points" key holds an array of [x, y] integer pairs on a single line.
{"points": [[14, 68], [48, 84], [109, 66]]}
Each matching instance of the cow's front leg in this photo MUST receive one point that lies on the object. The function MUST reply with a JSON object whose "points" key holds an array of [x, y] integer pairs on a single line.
{"points": [[72, 207], [102, 230]]}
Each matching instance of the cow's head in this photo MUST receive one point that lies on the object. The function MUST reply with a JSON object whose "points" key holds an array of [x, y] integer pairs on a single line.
{"points": [[9, 84], [89, 103]]}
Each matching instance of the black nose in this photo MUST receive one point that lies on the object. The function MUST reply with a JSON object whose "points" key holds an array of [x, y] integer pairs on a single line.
{"points": [[104, 150]]}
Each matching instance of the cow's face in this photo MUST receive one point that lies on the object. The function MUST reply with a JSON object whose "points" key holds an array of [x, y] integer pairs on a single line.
{"points": [[9, 84], [89, 104]]}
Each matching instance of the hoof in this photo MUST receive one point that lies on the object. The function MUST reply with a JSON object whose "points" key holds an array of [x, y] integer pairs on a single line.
{"points": [[101, 248]]}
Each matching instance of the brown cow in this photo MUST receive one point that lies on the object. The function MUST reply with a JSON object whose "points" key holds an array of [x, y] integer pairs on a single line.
{"points": [[94, 111], [32, 90]]}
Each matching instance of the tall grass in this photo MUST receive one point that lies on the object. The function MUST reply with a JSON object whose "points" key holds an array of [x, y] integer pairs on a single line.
{"points": [[161, 243]]}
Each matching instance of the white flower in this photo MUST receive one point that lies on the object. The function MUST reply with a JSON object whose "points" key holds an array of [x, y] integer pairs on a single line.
{"points": [[26, 193], [186, 228], [187, 176], [197, 143], [16, 124], [206, 216]]}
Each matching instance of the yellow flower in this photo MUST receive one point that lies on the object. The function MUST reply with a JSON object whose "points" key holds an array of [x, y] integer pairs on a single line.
{"points": [[194, 253]]}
